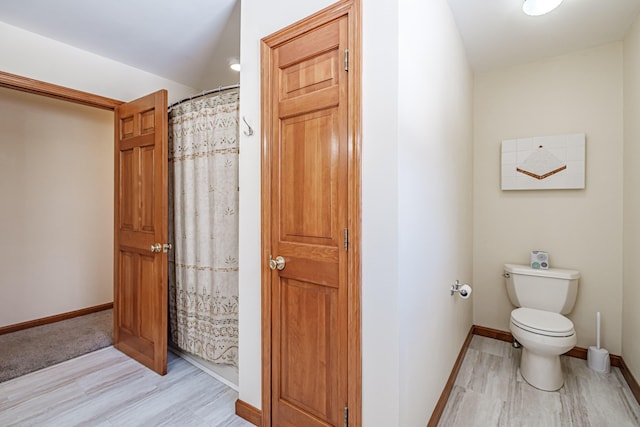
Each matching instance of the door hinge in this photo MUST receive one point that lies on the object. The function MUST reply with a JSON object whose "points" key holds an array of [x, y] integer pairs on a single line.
{"points": [[346, 59], [346, 416], [346, 239]]}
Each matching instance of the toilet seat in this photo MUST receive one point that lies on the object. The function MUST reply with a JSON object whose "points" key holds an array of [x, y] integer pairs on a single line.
{"points": [[542, 322]]}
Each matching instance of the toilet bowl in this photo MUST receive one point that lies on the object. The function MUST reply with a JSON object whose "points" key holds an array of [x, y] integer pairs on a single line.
{"points": [[544, 336]]}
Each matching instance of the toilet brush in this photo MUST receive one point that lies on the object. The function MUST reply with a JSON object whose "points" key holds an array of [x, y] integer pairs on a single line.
{"points": [[598, 358]]}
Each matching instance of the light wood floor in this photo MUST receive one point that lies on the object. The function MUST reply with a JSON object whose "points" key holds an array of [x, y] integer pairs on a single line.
{"points": [[490, 391], [106, 388]]}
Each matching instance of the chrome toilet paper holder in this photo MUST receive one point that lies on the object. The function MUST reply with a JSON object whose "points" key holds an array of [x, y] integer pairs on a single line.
{"points": [[462, 288]]}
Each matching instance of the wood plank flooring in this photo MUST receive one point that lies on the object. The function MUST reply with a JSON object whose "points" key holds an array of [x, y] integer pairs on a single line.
{"points": [[105, 388], [490, 391]]}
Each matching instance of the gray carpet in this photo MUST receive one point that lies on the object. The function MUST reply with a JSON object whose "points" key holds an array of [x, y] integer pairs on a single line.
{"points": [[36, 348]]}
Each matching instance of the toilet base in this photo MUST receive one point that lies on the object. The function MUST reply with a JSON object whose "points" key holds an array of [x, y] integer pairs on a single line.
{"points": [[542, 372]]}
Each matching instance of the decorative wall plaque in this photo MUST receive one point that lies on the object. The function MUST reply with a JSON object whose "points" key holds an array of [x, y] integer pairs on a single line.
{"points": [[544, 163]]}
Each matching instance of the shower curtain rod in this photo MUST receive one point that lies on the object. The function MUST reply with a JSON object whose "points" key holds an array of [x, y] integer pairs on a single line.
{"points": [[204, 93]]}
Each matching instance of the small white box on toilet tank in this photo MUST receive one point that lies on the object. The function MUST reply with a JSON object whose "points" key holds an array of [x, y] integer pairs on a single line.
{"points": [[539, 260]]}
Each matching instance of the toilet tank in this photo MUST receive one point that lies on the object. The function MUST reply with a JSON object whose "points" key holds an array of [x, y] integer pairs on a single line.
{"points": [[552, 290]]}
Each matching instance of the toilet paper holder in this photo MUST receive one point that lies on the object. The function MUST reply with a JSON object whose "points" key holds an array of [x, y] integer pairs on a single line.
{"points": [[462, 288]]}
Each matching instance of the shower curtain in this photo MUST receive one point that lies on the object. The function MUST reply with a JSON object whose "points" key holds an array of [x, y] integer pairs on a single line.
{"points": [[203, 226]]}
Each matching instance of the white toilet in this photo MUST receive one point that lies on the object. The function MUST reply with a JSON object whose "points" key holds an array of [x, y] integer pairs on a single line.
{"points": [[539, 325]]}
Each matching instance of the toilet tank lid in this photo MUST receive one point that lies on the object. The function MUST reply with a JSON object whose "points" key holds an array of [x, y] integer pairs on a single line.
{"points": [[559, 273]]}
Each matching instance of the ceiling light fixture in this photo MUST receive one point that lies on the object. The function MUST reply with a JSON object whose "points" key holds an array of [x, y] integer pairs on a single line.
{"points": [[539, 7], [234, 64]]}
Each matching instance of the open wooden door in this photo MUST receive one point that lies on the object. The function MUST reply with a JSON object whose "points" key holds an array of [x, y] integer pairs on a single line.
{"points": [[311, 329], [141, 230]]}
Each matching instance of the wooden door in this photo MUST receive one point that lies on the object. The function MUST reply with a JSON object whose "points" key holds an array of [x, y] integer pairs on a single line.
{"points": [[141, 221], [306, 193]]}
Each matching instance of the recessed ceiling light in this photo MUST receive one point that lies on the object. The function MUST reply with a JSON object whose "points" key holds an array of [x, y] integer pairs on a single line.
{"points": [[234, 64], [539, 7]]}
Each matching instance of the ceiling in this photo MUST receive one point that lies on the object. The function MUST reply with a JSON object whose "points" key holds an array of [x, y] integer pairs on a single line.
{"points": [[191, 41], [188, 41], [496, 33]]}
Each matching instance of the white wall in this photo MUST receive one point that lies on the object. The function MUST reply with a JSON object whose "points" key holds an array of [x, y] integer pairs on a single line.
{"points": [[56, 214], [381, 383], [581, 229], [31, 55], [435, 145], [631, 289], [416, 207]]}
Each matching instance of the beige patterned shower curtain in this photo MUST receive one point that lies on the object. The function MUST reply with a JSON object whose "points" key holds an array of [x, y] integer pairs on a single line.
{"points": [[203, 226]]}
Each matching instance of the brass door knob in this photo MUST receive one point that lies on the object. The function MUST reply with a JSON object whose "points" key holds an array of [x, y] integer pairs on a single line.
{"points": [[277, 264]]}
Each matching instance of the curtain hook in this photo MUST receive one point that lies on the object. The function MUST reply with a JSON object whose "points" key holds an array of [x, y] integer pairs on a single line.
{"points": [[250, 131]]}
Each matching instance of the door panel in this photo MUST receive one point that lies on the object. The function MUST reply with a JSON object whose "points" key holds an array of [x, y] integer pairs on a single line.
{"points": [[308, 348], [308, 210], [309, 196], [126, 198], [141, 220]]}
